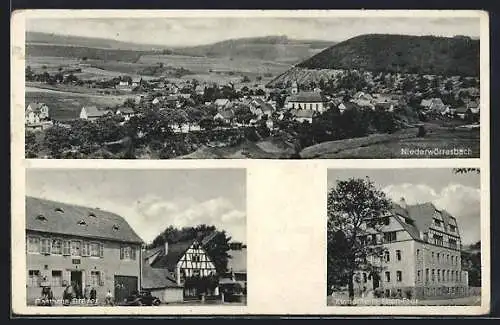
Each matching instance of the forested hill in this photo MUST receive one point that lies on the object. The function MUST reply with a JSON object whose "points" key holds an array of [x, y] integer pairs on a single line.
{"points": [[401, 53]]}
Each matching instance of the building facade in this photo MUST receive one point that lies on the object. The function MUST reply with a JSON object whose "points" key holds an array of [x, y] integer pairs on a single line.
{"points": [[88, 247], [183, 260], [421, 255]]}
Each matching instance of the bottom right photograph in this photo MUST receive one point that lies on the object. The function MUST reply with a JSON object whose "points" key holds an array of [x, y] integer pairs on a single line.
{"points": [[404, 237]]}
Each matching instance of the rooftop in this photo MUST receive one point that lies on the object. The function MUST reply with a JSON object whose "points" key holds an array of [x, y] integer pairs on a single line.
{"points": [[69, 219]]}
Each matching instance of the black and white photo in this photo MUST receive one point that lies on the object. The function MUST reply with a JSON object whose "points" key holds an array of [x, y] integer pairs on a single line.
{"points": [[252, 86], [404, 237], [126, 237]]}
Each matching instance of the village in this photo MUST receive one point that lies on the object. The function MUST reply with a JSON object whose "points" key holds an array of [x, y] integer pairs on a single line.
{"points": [[189, 106], [98, 259]]}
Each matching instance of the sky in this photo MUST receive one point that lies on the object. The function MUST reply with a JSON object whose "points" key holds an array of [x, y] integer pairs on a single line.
{"points": [[152, 200], [196, 31], [455, 193]]}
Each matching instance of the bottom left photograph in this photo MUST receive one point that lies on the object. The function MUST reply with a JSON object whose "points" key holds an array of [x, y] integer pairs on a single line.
{"points": [[130, 237]]}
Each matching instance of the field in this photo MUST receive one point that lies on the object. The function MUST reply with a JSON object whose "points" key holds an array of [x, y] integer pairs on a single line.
{"points": [[67, 105], [394, 145], [204, 65]]}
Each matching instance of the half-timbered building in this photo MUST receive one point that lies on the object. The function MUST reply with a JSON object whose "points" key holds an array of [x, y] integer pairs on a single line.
{"points": [[183, 260]]}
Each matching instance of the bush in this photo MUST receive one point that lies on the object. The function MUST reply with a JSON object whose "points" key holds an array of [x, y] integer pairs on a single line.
{"points": [[421, 131]]}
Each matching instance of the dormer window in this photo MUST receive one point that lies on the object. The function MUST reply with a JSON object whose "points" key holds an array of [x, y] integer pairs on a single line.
{"points": [[453, 228], [116, 227], [82, 223], [59, 210], [91, 214], [41, 217]]}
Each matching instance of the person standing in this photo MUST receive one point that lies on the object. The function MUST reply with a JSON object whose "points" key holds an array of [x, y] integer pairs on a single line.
{"points": [[86, 292], [109, 298], [93, 296]]}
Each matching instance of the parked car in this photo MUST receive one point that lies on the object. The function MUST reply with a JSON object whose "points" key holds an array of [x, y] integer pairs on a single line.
{"points": [[143, 298], [233, 291]]}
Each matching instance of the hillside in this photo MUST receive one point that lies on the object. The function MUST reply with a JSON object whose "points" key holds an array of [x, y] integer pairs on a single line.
{"points": [[62, 51], [270, 48], [401, 53], [37, 38]]}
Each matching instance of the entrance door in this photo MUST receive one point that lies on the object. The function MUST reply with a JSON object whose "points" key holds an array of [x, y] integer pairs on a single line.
{"points": [[124, 287], [76, 280]]}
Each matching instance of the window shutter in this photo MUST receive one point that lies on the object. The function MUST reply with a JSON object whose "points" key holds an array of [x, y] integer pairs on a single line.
{"points": [[102, 278], [66, 277]]}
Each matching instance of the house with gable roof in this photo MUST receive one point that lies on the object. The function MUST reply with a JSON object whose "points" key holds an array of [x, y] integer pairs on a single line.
{"points": [[68, 243], [422, 254], [182, 261], [92, 113]]}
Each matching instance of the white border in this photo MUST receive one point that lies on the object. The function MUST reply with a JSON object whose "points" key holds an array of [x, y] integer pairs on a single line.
{"points": [[286, 200]]}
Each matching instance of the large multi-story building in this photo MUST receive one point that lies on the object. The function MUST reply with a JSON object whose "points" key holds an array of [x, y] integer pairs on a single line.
{"points": [[421, 254], [85, 246]]}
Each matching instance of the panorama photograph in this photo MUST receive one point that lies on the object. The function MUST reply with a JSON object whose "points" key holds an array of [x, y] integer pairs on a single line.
{"points": [[256, 86]]}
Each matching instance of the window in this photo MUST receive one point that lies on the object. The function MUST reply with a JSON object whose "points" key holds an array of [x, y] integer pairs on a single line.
{"points": [[66, 247], [399, 276], [433, 275], [45, 246], [56, 246], [95, 250], [389, 236], [452, 243], [438, 257], [127, 253], [33, 245], [86, 249], [453, 228], [447, 275], [438, 240], [437, 223], [57, 278], [419, 275], [95, 278], [387, 276], [398, 255], [387, 256], [426, 275], [418, 253], [439, 275], [432, 256], [75, 247], [33, 278], [364, 277]]}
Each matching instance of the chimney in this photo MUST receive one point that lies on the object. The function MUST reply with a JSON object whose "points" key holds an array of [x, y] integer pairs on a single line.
{"points": [[166, 247], [402, 202]]}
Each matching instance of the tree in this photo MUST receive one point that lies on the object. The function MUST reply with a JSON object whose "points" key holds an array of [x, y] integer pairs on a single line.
{"points": [[355, 208], [466, 170], [31, 146], [57, 140]]}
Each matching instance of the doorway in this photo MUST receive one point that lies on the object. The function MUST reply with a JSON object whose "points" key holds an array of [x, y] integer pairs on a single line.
{"points": [[76, 280]]}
